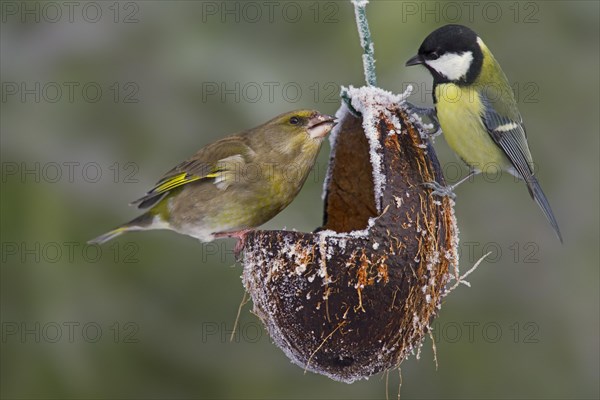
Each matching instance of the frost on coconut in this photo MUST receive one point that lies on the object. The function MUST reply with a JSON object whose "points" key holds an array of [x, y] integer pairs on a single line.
{"points": [[369, 101], [357, 296]]}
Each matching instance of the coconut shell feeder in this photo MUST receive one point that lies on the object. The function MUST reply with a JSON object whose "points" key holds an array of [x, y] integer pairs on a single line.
{"points": [[357, 296]]}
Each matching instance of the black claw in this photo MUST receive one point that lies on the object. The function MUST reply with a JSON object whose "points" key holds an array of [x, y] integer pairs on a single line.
{"points": [[348, 103], [428, 112], [440, 190]]}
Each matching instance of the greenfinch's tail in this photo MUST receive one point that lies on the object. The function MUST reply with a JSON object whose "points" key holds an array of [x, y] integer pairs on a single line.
{"points": [[142, 222]]}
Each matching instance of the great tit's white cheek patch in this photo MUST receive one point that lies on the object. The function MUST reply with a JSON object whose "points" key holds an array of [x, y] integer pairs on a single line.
{"points": [[452, 65]]}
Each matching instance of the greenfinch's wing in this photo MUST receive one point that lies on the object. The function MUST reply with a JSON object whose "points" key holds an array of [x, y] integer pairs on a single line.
{"points": [[215, 162], [508, 133]]}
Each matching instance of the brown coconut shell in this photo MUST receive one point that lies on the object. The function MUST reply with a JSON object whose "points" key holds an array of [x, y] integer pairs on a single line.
{"points": [[357, 297]]}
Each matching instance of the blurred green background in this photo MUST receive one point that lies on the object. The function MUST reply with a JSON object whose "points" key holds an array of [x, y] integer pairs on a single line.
{"points": [[99, 99]]}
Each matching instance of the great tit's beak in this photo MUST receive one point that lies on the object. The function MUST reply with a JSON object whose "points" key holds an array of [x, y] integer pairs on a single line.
{"points": [[320, 125], [416, 60]]}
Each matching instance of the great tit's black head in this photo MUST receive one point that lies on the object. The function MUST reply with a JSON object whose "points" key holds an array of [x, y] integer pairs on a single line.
{"points": [[451, 53]]}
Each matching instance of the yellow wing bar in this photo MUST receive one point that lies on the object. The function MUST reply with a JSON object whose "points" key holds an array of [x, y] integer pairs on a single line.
{"points": [[177, 181]]}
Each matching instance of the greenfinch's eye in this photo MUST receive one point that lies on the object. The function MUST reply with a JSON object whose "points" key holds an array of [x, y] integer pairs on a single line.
{"points": [[294, 120]]}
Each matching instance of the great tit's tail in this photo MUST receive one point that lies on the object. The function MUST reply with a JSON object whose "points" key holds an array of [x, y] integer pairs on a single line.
{"points": [[535, 190], [142, 222]]}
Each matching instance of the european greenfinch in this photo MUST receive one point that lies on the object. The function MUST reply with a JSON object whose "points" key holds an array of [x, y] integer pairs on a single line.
{"points": [[235, 184]]}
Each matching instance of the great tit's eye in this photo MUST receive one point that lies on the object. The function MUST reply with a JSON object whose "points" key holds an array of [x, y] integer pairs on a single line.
{"points": [[433, 55], [294, 120]]}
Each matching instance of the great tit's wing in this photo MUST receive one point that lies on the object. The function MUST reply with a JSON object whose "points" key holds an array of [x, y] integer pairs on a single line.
{"points": [[509, 134], [215, 162]]}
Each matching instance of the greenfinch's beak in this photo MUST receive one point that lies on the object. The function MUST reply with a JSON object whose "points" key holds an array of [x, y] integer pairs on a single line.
{"points": [[416, 60], [320, 125]]}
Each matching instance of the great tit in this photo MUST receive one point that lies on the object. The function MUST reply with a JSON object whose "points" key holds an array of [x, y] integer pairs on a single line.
{"points": [[476, 108], [236, 183]]}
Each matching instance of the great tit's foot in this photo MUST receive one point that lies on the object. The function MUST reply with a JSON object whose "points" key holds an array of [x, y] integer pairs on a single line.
{"points": [[427, 111], [432, 128], [346, 99], [436, 129], [440, 190], [239, 244]]}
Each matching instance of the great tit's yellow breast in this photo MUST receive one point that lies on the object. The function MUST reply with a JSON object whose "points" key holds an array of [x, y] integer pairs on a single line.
{"points": [[459, 114]]}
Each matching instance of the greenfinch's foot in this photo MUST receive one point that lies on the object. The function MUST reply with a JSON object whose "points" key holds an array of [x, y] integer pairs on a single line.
{"points": [[240, 236], [440, 190]]}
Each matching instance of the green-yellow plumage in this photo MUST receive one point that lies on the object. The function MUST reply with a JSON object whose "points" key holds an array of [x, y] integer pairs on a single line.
{"points": [[236, 183], [459, 111]]}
